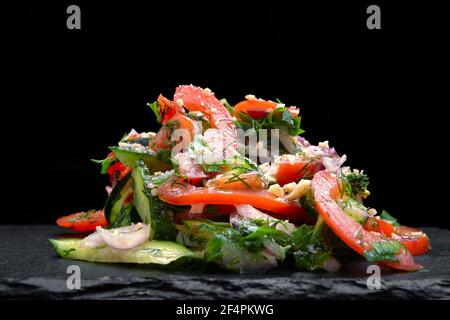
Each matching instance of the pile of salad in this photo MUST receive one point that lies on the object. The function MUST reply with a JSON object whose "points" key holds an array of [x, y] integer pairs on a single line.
{"points": [[238, 187]]}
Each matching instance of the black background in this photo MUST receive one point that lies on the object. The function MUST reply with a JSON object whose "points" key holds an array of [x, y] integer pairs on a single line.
{"points": [[379, 96]]}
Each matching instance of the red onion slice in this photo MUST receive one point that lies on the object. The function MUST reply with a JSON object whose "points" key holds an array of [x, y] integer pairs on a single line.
{"points": [[250, 213], [126, 237], [92, 241]]}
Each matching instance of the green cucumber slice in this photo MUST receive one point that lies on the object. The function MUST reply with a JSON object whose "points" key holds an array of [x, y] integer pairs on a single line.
{"points": [[354, 209], [150, 252], [131, 153], [116, 211], [151, 210]]}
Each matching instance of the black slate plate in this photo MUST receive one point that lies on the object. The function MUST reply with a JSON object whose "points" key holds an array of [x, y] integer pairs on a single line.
{"points": [[30, 269]]}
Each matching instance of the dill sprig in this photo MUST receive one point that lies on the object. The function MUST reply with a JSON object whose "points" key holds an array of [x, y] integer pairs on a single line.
{"points": [[237, 177]]}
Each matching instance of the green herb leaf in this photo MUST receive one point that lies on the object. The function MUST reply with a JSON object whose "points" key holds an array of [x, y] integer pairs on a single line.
{"points": [[227, 105], [309, 252], [388, 218], [213, 252], [355, 184], [106, 163], [213, 167], [245, 240], [307, 202], [384, 251], [155, 108], [257, 238]]}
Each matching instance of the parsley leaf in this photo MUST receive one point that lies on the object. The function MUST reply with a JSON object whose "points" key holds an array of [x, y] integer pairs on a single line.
{"points": [[227, 246], [309, 252], [356, 183], [213, 252], [212, 167], [384, 251], [245, 244], [388, 218]]}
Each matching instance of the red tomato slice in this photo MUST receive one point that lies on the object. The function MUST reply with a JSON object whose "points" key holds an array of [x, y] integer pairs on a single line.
{"points": [[379, 225], [198, 99], [167, 109], [83, 221], [416, 241], [191, 172], [177, 193], [326, 190], [163, 138], [120, 169], [258, 108], [289, 171], [246, 181]]}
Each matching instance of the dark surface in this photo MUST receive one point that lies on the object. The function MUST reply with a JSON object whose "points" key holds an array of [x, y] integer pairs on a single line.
{"points": [[379, 96], [30, 269]]}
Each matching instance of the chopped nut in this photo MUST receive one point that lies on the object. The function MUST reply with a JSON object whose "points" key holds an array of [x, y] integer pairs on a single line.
{"points": [[208, 91], [269, 171], [285, 157], [250, 97], [365, 193], [291, 159], [300, 190], [179, 102], [324, 145], [264, 167], [148, 135], [276, 190], [289, 187], [345, 170]]}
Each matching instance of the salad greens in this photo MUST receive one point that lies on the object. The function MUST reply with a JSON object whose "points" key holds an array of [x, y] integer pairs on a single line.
{"points": [[299, 206]]}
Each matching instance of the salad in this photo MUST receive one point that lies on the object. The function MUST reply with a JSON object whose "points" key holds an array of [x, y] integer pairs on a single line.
{"points": [[238, 187]]}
